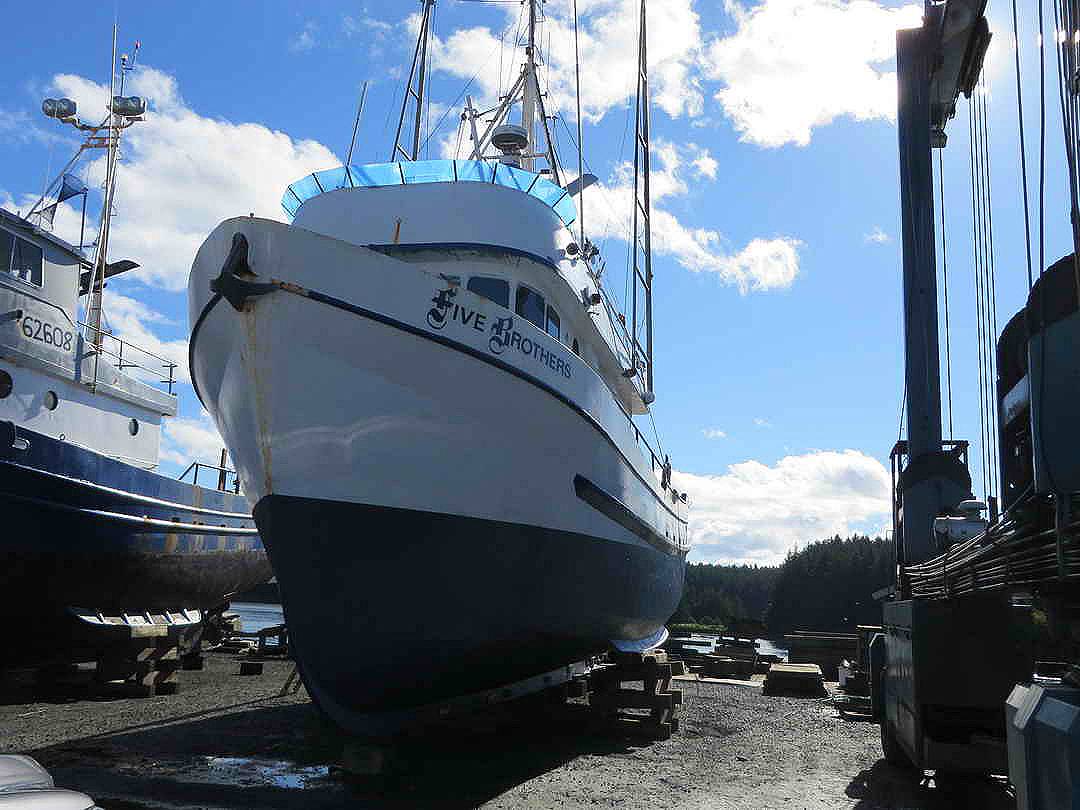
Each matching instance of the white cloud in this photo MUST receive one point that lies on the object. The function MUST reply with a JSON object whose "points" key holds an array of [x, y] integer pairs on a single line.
{"points": [[755, 513], [713, 433], [183, 173], [305, 40], [761, 265], [761, 422], [188, 440], [20, 127], [706, 164], [793, 65], [877, 236], [133, 322], [609, 37], [363, 24]]}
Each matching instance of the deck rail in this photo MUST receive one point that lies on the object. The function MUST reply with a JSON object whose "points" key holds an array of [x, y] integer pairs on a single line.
{"points": [[150, 367], [222, 471]]}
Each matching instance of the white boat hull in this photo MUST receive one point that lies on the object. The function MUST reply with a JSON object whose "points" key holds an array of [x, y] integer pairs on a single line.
{"points": [[463, 493]]}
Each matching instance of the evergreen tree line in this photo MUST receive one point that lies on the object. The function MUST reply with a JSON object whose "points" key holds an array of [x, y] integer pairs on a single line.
{"points": [[825, 586]]}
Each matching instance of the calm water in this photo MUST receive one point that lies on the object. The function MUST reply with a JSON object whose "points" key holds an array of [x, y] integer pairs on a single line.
{"points": [[764, 646], [256, 616]]}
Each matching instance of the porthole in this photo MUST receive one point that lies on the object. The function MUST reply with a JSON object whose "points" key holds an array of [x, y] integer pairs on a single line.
{"points": [[133, 427], [51, 400], [6, 384]]}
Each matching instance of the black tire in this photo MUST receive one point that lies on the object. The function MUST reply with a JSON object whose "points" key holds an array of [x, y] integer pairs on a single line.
{"points": [[894, 753]]}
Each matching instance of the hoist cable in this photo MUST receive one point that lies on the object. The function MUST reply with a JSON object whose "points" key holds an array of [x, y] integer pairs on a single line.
{"points": [[1040, 446], [903, 405], [1042, 142], [977, 242], [1066, 74], [945, 280], [1023, 147], [990, 305]]}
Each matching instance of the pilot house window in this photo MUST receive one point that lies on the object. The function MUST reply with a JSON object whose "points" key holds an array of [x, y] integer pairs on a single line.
{"points": [[20, 258], [553, 324], [530, 306], [496, 290]]}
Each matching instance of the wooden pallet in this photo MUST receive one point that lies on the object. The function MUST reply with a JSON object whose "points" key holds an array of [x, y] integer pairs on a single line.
{"points": [[613, 702]]}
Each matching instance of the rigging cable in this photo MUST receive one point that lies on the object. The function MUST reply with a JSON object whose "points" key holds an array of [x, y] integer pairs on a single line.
{"points": [[453, 105], [356, 127], [1023, 146]]}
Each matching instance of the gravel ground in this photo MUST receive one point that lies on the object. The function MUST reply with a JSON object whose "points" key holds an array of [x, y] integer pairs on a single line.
{"points": [[227, 741]]}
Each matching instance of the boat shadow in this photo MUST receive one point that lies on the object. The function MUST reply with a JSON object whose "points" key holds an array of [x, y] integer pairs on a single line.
{"points": [[457, 765], [885, 785]]}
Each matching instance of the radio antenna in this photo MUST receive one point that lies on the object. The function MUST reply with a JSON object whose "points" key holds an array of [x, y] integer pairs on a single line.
{"points": [[356, 125]]}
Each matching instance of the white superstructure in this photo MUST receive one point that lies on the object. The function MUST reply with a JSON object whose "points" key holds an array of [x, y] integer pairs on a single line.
{"points": [[54, 380]]}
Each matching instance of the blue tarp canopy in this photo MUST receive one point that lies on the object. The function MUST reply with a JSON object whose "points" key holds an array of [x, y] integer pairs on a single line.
{"points": [[414, 172]]}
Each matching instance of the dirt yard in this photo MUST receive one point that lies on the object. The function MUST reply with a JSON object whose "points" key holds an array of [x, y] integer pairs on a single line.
{"points": [[227, 741]]}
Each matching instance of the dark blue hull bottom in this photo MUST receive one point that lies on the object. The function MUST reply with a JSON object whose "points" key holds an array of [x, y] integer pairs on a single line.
{"points": [[391, 610], [78, 529]]}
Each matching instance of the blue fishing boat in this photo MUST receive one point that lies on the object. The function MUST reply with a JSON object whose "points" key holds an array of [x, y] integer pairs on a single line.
{"points": [[95, 542]]}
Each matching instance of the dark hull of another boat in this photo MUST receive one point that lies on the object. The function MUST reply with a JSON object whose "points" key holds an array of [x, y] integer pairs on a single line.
{"points": [[81, 530], [393, 612]]}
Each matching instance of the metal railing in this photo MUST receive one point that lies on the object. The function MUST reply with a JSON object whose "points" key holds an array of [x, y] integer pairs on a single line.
{"points": [[622, 338], [222, 471], [128, 356]]}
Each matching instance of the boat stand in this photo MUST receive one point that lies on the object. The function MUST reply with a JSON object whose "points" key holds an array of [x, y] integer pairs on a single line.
{"points": [[650, 711]]}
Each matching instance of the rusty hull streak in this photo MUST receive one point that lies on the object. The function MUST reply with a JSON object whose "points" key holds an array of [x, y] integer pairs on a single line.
{"points": [[249, 356]]}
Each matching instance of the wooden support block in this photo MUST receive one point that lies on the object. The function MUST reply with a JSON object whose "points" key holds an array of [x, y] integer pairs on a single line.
{"points": [[146, 630], [634, 658], [192, 662], [633, 699], [251, 668], [577, 688], [632, 673], [161, 653]]}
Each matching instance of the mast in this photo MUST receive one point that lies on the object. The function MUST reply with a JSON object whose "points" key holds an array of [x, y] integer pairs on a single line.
{"points": [[531, 92], [93, 309], [534, 118], [580, 133], [415, 90], [123, 111], [642, 236]]}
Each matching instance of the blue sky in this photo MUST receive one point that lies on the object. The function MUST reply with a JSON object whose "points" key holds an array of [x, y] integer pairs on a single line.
{"points": [[778, 327]]}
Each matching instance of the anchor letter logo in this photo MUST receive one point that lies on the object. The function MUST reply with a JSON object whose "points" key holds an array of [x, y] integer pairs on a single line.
{"points": [[500, 334], [443, 300]]}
